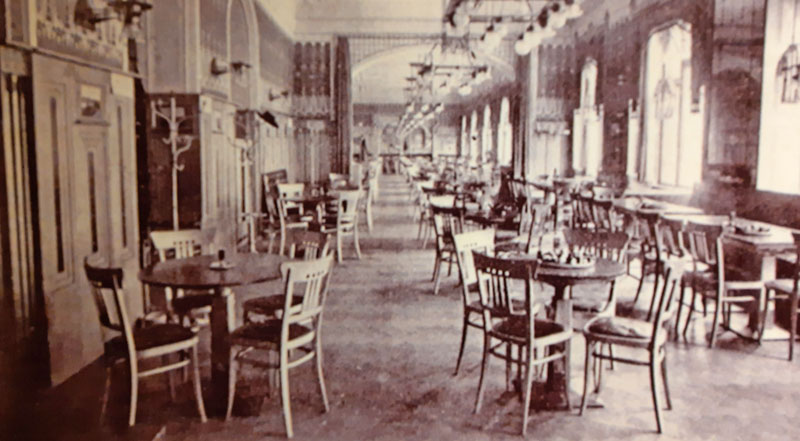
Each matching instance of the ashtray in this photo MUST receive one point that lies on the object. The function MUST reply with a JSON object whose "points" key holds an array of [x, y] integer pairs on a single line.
{"points": [[752, 230], [650, 207], [221, 265]]}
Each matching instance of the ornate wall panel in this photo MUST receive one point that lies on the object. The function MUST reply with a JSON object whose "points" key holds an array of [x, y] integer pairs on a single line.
{"points": [[213, 44]]}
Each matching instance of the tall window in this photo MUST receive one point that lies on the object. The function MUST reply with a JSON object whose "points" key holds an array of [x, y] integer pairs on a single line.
{"points": [[504, 134], [670, 134], [473, 137], [778, 149], [486, 135]]}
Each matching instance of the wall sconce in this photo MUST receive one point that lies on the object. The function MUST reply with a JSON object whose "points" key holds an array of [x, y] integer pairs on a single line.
{"points": [[129, 12], [277, 96], [219, 67], [240, 66], [269, 118]]}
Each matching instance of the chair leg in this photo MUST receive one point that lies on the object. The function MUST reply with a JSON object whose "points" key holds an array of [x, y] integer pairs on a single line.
{"points": [[680, 308], [233, 367], [339, 246], [134, 371], [437, 268], [320, 376], [718, 310], [106, 389], [691, 311], [436, 264], [598, 383], [286, 404], [654, 390], [763, 304], [641, 284], [450, 265], [611, 357], [666, 382], [170, 377], [528, 383], [369, 216], [463, 341], [792, 323], [508, 364], [484, 364], [657, 277], [198, 388], [586, 375], [355, 240]]}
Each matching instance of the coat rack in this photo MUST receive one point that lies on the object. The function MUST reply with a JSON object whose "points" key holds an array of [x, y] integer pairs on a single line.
{"points": [[178, 145]]}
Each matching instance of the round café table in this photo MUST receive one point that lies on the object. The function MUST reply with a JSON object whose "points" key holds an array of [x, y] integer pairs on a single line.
{"points": [[561, 278], [196, 273]]}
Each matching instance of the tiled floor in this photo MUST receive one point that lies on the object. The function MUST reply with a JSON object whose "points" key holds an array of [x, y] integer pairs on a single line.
{"points": [[390, 348]]}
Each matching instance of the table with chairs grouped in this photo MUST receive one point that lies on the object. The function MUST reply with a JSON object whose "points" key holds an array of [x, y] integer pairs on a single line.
{"points": [[511, 238], [190, 283]]}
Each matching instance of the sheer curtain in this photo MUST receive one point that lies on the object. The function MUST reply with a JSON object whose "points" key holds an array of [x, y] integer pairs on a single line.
{"points": [[671, 135], [778, 148]]}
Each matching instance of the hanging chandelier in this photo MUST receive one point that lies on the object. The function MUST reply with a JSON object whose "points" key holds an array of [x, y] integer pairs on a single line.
{"points": [[503, 17]]}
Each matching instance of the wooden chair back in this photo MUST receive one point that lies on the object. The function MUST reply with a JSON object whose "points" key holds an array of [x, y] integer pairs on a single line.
{"points": [[664, 312], [603, 215], [312, 244], [447, 221], [540, 218], [495, 276], [338, 180], [106, 287], [673, 233], [293, 190], [582, 239], [465, 243], [308, 279], [703, 243], [583, 210], [347, 207], [178, 244]]}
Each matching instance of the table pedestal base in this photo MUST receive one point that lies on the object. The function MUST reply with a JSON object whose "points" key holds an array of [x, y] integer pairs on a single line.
{"points": [[223, 316]]}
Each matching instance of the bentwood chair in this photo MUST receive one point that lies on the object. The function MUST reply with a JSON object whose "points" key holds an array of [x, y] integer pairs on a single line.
{"points": [[305, 245], [508, 326], [296, 336], [133, 344], [465, 244], [607, 245], [194, 305], [637, 335], [447, 221], [786, 290], [346, 221], [337, 180], [718, 285]]}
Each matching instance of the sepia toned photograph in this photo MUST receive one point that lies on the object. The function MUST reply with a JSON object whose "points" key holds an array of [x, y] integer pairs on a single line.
{"points": [[399, 220]]}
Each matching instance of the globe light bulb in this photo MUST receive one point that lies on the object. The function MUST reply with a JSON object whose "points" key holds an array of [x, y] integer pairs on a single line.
{"points": [[460, 19], [522, 45], [425, 107], [574, 10]]}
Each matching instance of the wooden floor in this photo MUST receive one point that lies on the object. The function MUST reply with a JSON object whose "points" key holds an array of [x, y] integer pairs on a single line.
{"points": [[390, 348]]}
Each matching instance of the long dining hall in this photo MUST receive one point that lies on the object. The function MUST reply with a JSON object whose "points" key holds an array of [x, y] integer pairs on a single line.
{"points": [[399, 219]]}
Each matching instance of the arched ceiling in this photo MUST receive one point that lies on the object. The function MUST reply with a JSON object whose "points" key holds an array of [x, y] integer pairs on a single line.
{"points": [[382, 78]]}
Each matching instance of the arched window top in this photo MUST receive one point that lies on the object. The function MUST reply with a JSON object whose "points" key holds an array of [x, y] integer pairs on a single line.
{"points": [[505, 108]]}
